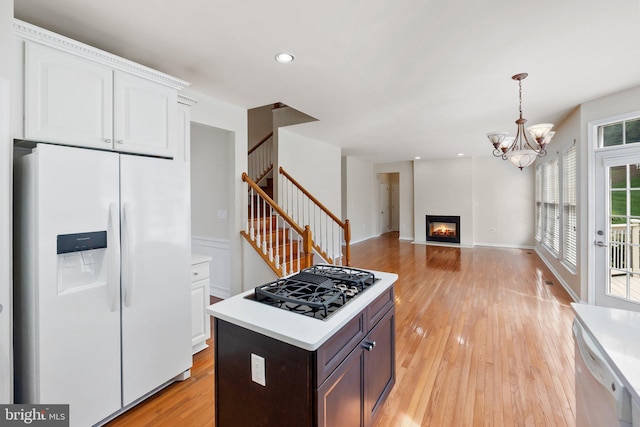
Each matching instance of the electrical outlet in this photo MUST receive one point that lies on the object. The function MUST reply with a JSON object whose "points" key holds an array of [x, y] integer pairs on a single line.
{"points": [[257, 370], [222, 214], [492, 229]]}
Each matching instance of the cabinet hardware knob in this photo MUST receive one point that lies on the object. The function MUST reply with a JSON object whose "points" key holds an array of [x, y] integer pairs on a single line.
{"points": [[368, 345], [119, 141], [195, 273], [107, 140]]}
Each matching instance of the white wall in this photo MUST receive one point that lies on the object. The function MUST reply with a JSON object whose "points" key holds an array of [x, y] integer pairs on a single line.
{"points": [[358, 204], [210, 178], [503, 203], [316, 165], [405, 171], [444, 187], [260, 122], [212, 112], [6, 324], [210, 201], [488, 193]]}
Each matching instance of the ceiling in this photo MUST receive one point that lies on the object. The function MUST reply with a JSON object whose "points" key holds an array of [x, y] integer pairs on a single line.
{"points": [[388, 80]]}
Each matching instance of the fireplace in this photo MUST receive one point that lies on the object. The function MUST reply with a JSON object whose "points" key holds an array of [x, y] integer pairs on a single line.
{"points": [[443, 228]]}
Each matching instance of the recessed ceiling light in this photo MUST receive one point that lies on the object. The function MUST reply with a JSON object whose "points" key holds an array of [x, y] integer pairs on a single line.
{"points": [[460, 154], [285, 57], [417, 157]]}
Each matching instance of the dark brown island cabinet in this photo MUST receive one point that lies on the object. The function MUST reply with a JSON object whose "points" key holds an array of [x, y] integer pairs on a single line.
{"points": [[344, 382]]}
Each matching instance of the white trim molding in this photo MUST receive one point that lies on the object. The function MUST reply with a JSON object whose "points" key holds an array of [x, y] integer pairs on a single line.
{"points": [[558, 277], [220, 266], [183, 99], [30, 32]]}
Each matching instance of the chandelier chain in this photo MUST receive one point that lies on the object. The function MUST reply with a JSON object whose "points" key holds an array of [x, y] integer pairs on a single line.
{"points": [[520, 96]]}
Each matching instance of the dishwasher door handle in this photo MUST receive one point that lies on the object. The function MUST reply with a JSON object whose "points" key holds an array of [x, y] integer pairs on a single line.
{"points": [[595, 362]]}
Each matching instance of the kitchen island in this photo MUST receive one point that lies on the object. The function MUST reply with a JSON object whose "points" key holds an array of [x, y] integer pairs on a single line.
{"points": [[277, 367]]}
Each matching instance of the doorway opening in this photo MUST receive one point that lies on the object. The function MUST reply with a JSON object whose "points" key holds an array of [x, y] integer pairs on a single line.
{"points": [[389, 202]]}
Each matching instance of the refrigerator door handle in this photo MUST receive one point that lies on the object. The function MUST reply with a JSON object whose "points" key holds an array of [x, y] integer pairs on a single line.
{"points": [[113, 278], [127, 276]]}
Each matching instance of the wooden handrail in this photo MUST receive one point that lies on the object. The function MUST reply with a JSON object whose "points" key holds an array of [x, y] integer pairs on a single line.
{"points": [[262, 141], [313, 199], [273, 204]]}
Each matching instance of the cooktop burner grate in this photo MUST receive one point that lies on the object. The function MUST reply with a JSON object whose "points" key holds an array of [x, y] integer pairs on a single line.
{"points": [[317, 291], [347, 275]]}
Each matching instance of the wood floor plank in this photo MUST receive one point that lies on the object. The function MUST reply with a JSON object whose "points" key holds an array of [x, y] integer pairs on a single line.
{"points": [[482, 340]]}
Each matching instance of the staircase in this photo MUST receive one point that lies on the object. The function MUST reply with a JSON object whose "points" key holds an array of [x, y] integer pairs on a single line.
{"points": [[289, 235], [281, 242], [276, 234]]}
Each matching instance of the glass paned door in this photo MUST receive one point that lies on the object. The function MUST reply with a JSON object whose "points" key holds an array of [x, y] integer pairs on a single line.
{"points": [[618, 231]]}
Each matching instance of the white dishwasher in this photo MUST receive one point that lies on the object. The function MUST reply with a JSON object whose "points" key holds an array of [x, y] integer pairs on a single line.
{"points": [[601, 398]]}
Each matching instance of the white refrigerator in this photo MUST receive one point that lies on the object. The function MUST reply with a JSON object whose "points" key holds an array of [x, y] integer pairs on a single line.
{"points": [[102, 274]]}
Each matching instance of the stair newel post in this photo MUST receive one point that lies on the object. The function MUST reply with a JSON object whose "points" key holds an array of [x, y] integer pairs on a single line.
{"points": [[307, 245], [347, 239]]}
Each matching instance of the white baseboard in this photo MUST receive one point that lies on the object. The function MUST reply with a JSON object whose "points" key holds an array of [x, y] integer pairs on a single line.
{"points": [[496, 245], [558, 277], [220, 267]]}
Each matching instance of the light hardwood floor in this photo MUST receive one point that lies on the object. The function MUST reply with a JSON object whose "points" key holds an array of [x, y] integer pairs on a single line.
{"points": [[482, 340]]}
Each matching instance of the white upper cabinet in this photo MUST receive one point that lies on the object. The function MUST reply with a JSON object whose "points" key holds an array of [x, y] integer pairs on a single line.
{"points": [[68, 100], [79, 95], [145, 116]]}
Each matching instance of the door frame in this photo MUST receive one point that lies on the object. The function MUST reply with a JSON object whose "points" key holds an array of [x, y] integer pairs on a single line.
{"points": [[384, 217], [592, 188]]}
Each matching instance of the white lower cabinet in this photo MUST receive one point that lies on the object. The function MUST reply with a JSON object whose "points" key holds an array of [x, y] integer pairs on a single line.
{"points": [[635, 411], [200, 323]]}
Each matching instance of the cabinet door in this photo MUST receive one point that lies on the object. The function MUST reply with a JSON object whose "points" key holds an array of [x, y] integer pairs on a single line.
{"points": [[340, 397], [145, 116], [199, 319], [68, 99], [379, 365]]}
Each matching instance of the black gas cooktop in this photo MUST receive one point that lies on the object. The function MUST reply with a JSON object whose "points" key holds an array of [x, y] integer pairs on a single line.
{"points": [[317, 291]]}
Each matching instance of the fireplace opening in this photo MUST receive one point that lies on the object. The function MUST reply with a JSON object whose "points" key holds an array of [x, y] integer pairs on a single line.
{"points": [[443, 228]]}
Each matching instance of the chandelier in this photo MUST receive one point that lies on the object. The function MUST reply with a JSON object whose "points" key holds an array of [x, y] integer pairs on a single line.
{"points": [[519, 150]]}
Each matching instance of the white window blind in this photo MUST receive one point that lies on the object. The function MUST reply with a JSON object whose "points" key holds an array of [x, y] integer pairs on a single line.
{"points": [[551, 205], [569, 206], [539, 203]]}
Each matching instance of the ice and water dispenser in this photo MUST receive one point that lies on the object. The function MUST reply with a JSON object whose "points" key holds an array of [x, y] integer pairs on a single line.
{"points": [[81, 260]]}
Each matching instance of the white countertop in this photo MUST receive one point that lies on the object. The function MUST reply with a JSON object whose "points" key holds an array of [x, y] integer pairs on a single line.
{"points": [[617, 334], [301, 331]]}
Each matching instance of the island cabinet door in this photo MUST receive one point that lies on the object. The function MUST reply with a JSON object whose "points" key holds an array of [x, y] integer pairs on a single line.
{"points": [[340, 397], [379, 365], [283, 398]]}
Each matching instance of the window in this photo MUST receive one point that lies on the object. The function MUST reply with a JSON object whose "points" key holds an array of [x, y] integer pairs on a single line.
{"points": [[619, 133], [551, 205], [569, 223], [556, 222]]}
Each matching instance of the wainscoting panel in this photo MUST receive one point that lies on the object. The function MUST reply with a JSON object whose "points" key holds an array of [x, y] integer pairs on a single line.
{"points": [[220, 267]]}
